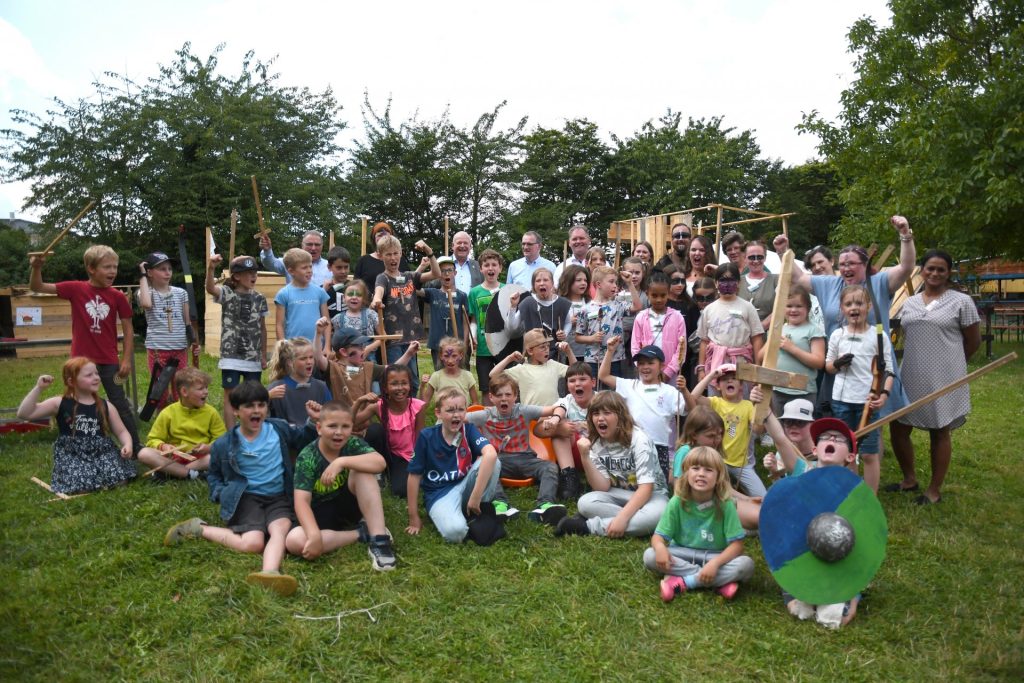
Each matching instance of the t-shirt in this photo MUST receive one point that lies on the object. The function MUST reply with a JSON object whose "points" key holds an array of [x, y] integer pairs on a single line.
{"points": [[627, 467], [94, 315], [653, 407], [852, 383], [401, 429], [479, 299], [301, 309], [538, 384], [515, 427], [464, 381], [185, 427], [801, 335], [574, 412], [729, 323], [311, 463], [443, 465], [292, 406], [677, 460], [440, 315], [605, 317], [241, 330], [401, 309], [162, 335], [704, 526], [260, 462], [736, 439], [364, 322], [576, 323]]}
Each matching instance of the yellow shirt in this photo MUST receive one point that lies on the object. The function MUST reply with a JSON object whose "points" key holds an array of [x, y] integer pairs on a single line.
{"points": [[738, 418]]}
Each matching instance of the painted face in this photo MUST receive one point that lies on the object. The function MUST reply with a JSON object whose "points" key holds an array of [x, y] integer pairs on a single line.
{"points": [[504, 399], [579, 243], [452, 413], [313, 245], [833, 449], [658, 296], [796, 311], [103, 273], [702, 480], [161, 275], [194, 396], [490, 268], [608, 287], [820, 265], [451, 358], [353, 299], [353, 355], [636, 272], [580, 285], [339, 270], [334, 428], [855, 307], [580, 387], [250, 417], [851, 268], [728, 287], [755, 259], [936, 273], [88, 380], [643, 253], [301, 274], [398, 386], [649, 370], [380, 234], [302, 364], [391, 259], [711, 438], [697, 254], [542, 284], [681, 239], [461, 247], [702, 297], [606, 423]]}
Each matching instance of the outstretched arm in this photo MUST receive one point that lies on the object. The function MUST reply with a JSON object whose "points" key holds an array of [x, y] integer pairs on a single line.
{"points": [[908, 254], [35, 281]]}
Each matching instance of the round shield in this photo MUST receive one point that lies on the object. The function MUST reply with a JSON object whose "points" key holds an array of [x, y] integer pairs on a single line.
{"points": [[787, 513], [495, 325]]}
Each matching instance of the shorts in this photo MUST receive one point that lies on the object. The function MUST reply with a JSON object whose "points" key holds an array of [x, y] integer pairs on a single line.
{"points": [[229, 379], [850, 414], [256, 512], [338, 513]]}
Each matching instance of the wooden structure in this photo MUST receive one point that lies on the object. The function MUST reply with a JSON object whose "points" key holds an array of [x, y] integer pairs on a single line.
{"points": [[657, 229], [268, 283]]}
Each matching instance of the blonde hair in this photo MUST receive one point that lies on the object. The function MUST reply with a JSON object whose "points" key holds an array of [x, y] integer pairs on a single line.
{"points": [[96, 254], [389, 243], [611, 402], [705, 457], [601, 272], [447, 394], [296, 257], [449, 343], [285, 352], [189, 377]]}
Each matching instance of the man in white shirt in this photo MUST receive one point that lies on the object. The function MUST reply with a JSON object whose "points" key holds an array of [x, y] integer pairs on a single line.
{"points": [[579, 244]]}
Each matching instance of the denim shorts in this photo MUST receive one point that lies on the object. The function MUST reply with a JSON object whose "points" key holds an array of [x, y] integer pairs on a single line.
{"points": [[850, 414]]}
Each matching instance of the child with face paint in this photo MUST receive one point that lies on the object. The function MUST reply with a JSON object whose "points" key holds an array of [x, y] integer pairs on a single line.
{"points": [[729, 327]]}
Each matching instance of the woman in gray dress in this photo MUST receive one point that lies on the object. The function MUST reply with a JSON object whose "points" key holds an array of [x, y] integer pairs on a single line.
{"points": [[941, 333]]}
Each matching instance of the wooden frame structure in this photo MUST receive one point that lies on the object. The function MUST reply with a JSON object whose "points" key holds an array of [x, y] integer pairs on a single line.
{"points": [[657, 229]]}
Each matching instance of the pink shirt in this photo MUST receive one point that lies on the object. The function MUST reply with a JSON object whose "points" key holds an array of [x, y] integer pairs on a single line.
{"points": [[673, 328], [401, 436]]}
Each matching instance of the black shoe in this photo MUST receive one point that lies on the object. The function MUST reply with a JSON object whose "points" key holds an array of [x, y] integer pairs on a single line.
{"points": [[548, 513], [569, 482], [573, 526]]}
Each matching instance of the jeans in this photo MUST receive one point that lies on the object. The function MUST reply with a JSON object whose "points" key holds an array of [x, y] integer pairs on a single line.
{"points": [[116, 395], [447, 512]]}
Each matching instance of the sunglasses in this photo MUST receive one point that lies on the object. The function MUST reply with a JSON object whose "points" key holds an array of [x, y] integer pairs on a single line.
{"points": [[756, 257], [704, 298], [680, 235], [792, 423], [679, 280]]}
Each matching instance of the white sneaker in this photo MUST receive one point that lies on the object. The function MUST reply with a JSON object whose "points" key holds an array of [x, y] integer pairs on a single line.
{"points": [[831, 616], [800, 609]]}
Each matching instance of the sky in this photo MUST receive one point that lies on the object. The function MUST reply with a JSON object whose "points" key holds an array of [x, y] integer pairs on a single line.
{"points": [[758, 64]]}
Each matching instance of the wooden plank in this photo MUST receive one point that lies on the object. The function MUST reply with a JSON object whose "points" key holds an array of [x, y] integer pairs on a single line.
{"points": [[771, 355], [883, 257], [749, 372]]}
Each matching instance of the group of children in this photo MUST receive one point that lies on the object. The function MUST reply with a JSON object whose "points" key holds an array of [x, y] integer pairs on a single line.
{"points": [[298, 466]]}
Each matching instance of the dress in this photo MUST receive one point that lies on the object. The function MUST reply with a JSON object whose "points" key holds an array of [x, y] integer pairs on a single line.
{"points": [[936, 332], [84, 457]]}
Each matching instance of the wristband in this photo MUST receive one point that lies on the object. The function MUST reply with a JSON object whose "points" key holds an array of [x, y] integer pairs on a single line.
{"points": [[883, 391], [909, 237]]}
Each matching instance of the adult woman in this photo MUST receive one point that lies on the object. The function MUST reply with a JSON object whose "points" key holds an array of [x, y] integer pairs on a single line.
{"points": [[938, 323], [371, 265], [645, 252], [756, 285], [819, 261], [732, 245], [701, 252]]}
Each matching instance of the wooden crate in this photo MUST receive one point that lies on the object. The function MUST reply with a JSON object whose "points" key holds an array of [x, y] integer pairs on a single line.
{"points": [[268, 284], [54, 317]]}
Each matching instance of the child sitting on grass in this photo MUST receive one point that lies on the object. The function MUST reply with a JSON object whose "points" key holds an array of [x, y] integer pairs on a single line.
{"points": [[567, 425], [401, 416], [451, 374], [507, 425], [699, 540], [538, 375], [337, 498], [292, 383], [629, 492], [251, 477], [457, 467], [188, 426]]}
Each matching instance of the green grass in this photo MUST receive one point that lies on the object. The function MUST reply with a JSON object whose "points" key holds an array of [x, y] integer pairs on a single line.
{"points": [[87, 591]]}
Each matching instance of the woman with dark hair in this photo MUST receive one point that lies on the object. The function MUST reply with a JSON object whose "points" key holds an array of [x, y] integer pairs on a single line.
{"points": [[732, 245], [941, 329], [819, 261], [701, 255]]}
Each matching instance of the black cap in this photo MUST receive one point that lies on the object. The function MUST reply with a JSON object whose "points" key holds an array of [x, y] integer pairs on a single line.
{"points": [[241, 264], [650, 351], [155, 259], [345, 337]]}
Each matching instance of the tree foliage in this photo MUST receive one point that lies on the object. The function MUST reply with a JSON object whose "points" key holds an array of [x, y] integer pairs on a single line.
{"points": [[811, 191], [933, 127]]}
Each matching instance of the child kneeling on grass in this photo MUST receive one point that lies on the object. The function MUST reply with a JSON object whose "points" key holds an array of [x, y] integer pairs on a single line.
{"points": [[337, 498], [251, 477], [699, 540], [629, 492], [458, 469]]}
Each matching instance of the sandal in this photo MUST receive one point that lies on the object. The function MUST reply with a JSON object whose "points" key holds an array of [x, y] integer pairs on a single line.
{"points": [[897, 487]]}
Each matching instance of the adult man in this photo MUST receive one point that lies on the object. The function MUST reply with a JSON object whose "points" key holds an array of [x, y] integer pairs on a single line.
{"points": [[312, 244], [579, 243], [680, 250], [467, 270], [520, 271]]}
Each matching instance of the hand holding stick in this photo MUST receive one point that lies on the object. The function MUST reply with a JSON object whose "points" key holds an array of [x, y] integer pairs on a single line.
{"points": [[49, 248], [259, 208]]}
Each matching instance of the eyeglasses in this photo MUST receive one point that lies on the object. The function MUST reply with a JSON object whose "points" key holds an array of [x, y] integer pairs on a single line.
{"points": [[834, 438], [793, 423], [529, 244], [704, 298], [756, 257], [680, 235], [850, 264]]}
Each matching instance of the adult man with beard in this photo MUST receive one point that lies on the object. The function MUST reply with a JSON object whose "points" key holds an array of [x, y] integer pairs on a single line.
{"points": [[680, 250]]}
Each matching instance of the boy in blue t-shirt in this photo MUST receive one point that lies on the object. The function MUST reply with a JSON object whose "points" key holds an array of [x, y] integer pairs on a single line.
{"points": [[441, 323], [299, 303], [457, 468], [251, 477]]}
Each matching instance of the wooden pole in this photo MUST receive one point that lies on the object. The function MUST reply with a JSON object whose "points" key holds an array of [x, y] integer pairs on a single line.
{"points": [[330, 240], [231, 241], [718, 237], [62, 233], [938, 393], [206, 249], [886, 253], [618, 243], [364, 238], [785, 227], [259, 208], [771, 354], [757, 220], [451, 317], [446, 249]]}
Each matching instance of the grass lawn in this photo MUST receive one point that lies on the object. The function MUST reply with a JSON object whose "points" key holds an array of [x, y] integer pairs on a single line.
{"points": [[88, 592]]}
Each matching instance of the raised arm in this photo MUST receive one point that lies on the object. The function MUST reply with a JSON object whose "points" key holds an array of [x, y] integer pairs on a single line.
{"points": [[320, 344], [514, 357], [35, 281], [604, 373], [31, 408], [908, 254], [212, 288]]}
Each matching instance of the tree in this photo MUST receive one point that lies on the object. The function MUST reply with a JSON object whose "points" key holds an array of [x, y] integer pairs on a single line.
{"points": [[933, 126], [810, 190], [14, 245]]}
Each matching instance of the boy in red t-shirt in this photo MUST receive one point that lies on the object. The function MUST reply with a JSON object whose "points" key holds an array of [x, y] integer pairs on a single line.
{"points": [[95, 309]]}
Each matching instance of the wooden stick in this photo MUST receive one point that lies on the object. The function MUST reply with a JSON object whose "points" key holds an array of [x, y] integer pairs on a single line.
{"points": [[60, 496], [886, 253], [451, 317], [446, 250], [209, 241], [618, 243], [259, 208], [364, 237], [718, 236], [330, 240], [231, 241], [383, 336], [758, 220], [771, 354], [938, 393], [750, 211], [785, 228], [62, 233], [872, 248]]}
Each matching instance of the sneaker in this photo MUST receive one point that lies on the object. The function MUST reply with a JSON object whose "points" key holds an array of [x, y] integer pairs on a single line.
{"points": [[548, 513], [190, 528], [503, 509], [364, 532], [573, 526], [381, 553], [282, 584], [800, 609], [729, 590], [671, 586], [568, 484]]}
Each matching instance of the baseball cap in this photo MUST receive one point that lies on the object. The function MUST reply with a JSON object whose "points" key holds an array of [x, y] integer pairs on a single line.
{"points": [[345, 337], [241, 264], [445, 259], [798, 409], [832, 424], [156, 258], [650, 351]]}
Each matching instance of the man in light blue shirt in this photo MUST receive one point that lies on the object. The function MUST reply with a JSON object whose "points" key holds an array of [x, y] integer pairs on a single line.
{"points": [[520, 271], [313, 244]]}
